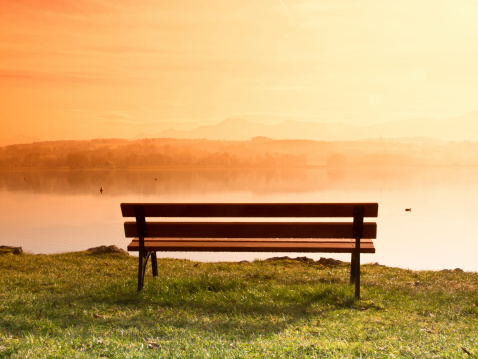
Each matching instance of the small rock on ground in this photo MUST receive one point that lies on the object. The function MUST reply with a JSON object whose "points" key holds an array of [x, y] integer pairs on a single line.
{"points": [[9, 249], [323, 261], [329, 261], [107, 249]]}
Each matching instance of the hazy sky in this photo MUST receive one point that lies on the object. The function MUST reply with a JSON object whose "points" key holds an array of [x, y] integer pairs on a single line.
{"points": [[74, 69]]}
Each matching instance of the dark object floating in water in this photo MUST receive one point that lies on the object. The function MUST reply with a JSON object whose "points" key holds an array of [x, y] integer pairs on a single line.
{"points": [[408, 209], [101, 190]]}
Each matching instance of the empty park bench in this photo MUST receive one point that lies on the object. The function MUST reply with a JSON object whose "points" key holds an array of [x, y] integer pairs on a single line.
{"points": [[250, 227]]}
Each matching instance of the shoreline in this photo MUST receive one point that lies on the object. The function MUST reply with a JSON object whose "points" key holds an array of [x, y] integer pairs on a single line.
{"points": [[114, 250]]}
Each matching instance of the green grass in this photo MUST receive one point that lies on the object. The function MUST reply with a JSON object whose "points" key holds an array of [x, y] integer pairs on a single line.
{"points": [[80, 305]]}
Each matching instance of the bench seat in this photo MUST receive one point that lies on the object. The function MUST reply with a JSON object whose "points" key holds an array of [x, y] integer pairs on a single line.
{"points": [[300, 245]]}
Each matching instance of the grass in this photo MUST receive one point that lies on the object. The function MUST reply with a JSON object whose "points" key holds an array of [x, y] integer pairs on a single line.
{"points": [[79, 305]]}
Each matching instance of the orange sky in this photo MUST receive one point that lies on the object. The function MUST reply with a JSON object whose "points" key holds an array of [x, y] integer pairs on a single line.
{"points": [[115, 68]]}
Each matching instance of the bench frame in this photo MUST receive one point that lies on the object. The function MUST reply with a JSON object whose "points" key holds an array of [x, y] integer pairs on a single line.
{"points": [[312, 236]]}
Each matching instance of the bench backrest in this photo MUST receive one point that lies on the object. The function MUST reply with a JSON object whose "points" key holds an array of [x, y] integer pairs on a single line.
{"points": [[240, 229]]}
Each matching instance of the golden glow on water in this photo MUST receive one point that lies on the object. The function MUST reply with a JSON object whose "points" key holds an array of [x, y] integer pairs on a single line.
{"points": [[438, 233]]}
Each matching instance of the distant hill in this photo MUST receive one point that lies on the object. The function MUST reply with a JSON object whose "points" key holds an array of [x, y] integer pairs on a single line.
{"points": [[259, 152], [18, 140], [460, 128]]}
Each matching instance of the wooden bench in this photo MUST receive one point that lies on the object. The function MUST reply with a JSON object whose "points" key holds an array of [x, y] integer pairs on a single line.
{"points": [[226, 230]]}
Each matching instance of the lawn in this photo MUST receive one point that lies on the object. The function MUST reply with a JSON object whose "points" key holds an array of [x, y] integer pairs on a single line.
{"points": [[81, 305]]}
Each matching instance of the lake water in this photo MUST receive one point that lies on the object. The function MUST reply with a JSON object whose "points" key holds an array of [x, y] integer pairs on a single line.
{"points": [[62, 211]]}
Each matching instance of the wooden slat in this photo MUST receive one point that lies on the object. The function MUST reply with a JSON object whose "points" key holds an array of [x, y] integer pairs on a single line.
{"points": [[294, 210], [250, 229], [260, 240], [252, 246]]}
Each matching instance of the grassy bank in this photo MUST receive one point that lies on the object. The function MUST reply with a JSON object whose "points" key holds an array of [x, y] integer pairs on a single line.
{"points": [[84, 305]]}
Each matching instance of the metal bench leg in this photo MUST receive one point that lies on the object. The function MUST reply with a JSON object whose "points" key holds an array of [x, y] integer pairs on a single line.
{"points": [[358, 233], [352, 269], [143, 260], [143, 254], [357, 273], [140, 272], [154, 263]]}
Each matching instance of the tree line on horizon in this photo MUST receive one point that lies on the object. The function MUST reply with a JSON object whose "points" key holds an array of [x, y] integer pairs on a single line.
{"points": [[258, 152]]}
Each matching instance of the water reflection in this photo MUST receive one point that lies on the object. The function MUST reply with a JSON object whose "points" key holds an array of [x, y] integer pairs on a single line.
{"points": [[57, 211], [150, 182]]}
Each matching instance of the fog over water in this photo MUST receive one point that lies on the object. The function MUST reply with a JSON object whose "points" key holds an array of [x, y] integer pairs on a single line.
{"points": [[63, 210]]}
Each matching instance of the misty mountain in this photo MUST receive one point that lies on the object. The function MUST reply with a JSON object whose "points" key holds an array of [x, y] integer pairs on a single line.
{"points": [[231, 129], [241, 129], [460, 128]]}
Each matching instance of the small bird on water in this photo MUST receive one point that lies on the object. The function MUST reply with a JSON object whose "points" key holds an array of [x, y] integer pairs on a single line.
{"points": [[101, 190], [408, 209]]}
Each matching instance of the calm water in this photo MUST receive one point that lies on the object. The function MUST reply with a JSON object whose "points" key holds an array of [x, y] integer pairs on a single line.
{"points": [[61, 211]]}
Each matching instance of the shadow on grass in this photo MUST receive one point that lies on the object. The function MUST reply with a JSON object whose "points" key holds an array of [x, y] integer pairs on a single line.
{"points": [[153, 311], [261, 299], [246, 317]]}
